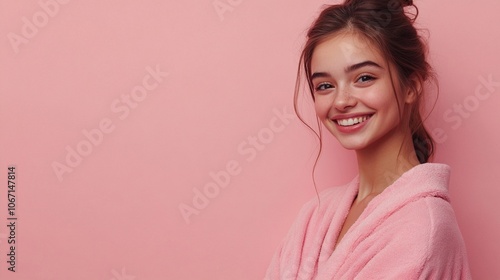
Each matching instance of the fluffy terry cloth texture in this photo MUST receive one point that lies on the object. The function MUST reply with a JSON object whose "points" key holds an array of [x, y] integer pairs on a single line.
{"points": [[409, 231]]}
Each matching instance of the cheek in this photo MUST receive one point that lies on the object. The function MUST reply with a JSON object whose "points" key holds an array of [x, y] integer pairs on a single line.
{"points": [[389, 104], [381, 99], [322, 107], [388, 111]]}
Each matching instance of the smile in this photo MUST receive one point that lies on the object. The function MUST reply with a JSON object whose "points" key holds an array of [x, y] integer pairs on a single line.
{"points": [[352, 121]]}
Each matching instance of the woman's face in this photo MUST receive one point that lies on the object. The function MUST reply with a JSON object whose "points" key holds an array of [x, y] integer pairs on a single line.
{"points": [[354, 95]]}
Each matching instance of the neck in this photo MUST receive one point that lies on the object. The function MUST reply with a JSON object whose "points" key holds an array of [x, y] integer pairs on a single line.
{"points": [[383, 163]]}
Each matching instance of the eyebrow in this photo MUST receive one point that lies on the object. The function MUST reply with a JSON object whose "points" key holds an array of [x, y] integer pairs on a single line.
{"points": [[347, 69]]}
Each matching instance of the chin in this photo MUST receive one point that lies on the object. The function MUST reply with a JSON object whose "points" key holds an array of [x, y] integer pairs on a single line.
{"points": [[353, 146]]}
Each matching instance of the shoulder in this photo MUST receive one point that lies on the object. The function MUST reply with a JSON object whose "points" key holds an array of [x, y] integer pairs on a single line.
{"points": [[418, 202], [420, 240], [446, 245], [431, 217], [430, 229]]}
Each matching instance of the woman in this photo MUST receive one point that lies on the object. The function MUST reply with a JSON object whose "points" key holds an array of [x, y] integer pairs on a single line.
{"points": [[366, 67]]}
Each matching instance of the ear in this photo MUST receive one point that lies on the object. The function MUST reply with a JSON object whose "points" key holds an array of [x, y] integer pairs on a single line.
{"points": [[414, 89]]}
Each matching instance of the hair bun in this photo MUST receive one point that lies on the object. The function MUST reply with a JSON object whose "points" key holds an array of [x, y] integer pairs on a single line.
{"points": [[407, 3]]}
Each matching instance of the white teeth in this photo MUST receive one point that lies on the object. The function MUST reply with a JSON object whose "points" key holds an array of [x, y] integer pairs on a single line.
{"points": [[352, 121]]}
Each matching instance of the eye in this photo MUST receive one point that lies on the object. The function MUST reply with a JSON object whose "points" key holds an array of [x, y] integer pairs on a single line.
{"points": [[365, 78], [323, 86]]}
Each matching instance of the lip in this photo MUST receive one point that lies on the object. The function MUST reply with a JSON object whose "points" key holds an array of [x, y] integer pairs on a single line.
{"points": [[352, 128], [351, 115]]}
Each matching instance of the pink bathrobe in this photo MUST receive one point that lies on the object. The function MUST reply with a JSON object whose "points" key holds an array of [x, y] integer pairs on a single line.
{"points": [[409, 231]]}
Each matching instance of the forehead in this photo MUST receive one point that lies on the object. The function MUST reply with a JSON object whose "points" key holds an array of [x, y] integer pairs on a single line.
{"points": [[342, 50]]}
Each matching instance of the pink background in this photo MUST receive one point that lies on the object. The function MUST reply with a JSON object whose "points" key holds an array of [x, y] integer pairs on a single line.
{"points": [[116, 214]]}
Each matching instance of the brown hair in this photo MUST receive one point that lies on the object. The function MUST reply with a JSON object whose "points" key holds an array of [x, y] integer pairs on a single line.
{"points": [[388, 24]]}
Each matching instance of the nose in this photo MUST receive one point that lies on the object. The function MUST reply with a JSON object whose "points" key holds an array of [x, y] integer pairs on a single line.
{"points": [[344, 100]]}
